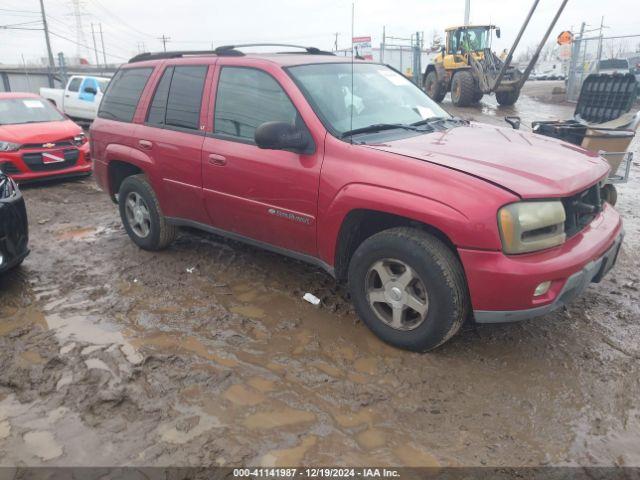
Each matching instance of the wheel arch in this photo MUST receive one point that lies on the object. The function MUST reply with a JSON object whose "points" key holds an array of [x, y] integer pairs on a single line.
{"points": [[361, 223], [122, 162]]}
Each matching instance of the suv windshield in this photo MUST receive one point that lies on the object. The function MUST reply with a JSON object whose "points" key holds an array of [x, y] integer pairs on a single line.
{"points": [[380, 96], [14, 111]]}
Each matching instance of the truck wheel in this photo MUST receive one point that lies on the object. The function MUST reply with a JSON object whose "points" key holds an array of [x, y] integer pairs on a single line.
{"points": [[507, 98], [409, 288], [463, 89], [141, 215], [433, 87]]}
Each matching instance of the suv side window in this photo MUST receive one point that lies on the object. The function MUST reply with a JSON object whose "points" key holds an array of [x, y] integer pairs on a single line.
{"points": [[122, 96], [178, 97], [245, 99], [74, 84], [158, 109]]}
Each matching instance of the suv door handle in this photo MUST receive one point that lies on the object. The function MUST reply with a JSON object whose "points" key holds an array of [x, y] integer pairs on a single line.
{"points": [[215, 159], [145, 144]]}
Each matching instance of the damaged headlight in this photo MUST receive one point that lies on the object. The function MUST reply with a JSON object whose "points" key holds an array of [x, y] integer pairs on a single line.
{"points": [[79, 139], [531, 226], [8, 146]]}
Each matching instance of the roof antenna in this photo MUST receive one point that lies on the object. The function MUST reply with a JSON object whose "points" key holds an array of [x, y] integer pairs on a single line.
{"points": [[353, 9]]}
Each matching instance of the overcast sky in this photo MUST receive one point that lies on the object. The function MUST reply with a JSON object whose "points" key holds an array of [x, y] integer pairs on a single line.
{"points": [[130, 26]]}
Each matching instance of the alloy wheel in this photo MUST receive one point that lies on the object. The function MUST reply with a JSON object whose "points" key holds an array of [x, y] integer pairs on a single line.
{"points": [[137, 213], [397, 294]]}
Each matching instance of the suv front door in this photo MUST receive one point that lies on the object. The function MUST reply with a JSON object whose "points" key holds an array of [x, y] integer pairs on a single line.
{"points": [[266, 195]]}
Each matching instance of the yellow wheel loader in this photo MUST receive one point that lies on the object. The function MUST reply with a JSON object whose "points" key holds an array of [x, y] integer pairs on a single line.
{"points": [[468, 68]]}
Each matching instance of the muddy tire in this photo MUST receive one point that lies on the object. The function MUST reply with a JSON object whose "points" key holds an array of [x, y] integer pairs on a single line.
{"points": [[409, 288], [507, 98], [463, 89], [433, 87], [609, 194], [141, 215]]}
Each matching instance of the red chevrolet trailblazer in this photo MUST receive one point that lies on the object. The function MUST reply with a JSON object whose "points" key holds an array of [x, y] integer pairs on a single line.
{"points": [[37, 141], [430, 220]]}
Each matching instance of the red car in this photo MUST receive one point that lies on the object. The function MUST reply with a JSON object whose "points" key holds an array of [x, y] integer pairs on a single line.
{"points": [[430, 219], [39, 142]]}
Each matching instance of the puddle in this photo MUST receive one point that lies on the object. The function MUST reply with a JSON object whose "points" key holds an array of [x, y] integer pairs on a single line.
{"points": [[243, 396], [277, 419], [5, 429], [371, 438], [82, 329], [287, 457], [42, 444]]}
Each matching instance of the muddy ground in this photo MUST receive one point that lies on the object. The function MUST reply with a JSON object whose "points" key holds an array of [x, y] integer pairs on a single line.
{"points": [[206, 354]]}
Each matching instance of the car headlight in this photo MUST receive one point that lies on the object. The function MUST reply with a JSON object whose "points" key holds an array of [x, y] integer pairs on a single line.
{"points": [[79, 139], [8, 146], [531, 226]]}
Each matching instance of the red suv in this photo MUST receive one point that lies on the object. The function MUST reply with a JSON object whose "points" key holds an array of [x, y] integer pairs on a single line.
{"points": [[348, 166]]}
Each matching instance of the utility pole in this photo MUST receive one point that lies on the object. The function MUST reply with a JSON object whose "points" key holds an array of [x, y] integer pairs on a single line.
{"points": [[164, 40], [95, 47], [52, 63], [104, 52], [467, 9]]}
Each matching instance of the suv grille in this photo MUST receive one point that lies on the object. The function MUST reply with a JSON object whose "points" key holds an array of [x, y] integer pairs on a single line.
{"points": [[581, 209]]}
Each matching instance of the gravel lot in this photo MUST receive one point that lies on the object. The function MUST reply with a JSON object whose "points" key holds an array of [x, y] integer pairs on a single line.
{"points": [[206, 354]]}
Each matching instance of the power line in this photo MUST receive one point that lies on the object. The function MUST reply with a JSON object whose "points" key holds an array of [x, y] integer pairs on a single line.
{"points": [[85, 46]]}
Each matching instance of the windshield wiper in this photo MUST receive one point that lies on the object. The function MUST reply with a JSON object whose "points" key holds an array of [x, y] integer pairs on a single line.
{"points": [[430, 120], [378, 127]]}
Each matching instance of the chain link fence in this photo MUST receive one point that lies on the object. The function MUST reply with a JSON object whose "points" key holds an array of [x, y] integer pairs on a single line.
{"points": [[601, 54]]}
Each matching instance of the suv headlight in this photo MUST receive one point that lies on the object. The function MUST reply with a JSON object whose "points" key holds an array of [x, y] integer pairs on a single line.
{"points": [[531, 226], [8, 146]]}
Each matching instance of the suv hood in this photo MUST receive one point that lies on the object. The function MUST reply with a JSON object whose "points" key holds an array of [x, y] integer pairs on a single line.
{"points": [[530, 165], [42, 132]]}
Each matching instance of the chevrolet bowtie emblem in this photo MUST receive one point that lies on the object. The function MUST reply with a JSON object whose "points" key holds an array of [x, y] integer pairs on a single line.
{"points": [[48, 145]]}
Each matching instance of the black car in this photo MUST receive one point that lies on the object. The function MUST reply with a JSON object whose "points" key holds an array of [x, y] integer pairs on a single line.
{"points": [[14, 228]]}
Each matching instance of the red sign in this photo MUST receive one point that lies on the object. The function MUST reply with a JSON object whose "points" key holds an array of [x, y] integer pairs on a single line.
{"points": [[362, 48]]}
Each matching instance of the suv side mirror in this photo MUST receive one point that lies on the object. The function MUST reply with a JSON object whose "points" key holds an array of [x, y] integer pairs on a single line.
{"points": [[498, 32], [282, 136], [90, 90]]}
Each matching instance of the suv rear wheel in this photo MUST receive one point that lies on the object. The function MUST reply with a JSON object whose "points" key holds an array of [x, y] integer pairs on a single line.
{"points": [[409, 288], [141, 215]]}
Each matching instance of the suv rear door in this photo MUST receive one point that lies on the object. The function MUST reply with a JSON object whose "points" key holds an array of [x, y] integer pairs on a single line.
{"points": [[172, 136], [266, 195]]}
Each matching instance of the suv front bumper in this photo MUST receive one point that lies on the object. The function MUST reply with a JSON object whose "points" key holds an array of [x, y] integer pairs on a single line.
{"points": [[594, 271], [502, 286]]}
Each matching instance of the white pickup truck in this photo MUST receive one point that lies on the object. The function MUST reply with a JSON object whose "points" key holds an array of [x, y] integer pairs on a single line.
{"points": [[81, 97]]}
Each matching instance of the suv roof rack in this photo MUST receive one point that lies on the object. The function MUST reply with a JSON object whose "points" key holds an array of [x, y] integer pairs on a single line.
{"points": [[223, 51]]}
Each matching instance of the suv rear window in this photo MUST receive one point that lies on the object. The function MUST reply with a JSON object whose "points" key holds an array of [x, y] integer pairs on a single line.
{"points": [[178, 97], [121, 99]]}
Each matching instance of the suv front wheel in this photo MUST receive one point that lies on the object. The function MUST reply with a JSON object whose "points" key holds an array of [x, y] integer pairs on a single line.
{"points": [[409, 288], [141, 215]]}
